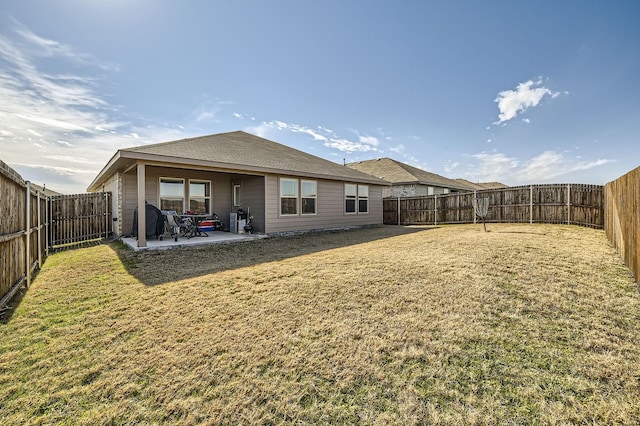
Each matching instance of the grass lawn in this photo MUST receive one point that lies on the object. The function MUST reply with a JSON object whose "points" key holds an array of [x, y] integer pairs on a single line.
{"points": [[391, 325]]}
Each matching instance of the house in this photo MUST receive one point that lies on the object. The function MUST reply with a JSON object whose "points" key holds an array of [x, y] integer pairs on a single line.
{"points": [[408, 181], [284, 189], [479, 186]]}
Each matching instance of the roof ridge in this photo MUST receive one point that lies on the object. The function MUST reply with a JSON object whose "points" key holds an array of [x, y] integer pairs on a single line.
{"points": [[192, 138]]}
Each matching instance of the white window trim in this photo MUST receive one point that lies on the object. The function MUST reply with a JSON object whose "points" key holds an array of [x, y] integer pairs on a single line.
{"points": [[357, 199], [160, 197], [280, 197], [315, 197], [237, 196], [209, 198]]}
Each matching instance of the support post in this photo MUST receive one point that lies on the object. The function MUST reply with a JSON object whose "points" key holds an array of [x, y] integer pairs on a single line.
{"points": [[27, 263], [142, 216], [398, 211]]}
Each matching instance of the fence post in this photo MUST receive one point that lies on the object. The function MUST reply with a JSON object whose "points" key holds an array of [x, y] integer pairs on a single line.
{"points": [[568, 204], [531, 204], [28, 235], [474, 201], [435, 210], [398, 210], [39, 233], [47, 220], [106, 216]]}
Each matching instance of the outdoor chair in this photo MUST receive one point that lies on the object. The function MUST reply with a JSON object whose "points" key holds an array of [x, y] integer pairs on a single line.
{"points": [[174, 224]]}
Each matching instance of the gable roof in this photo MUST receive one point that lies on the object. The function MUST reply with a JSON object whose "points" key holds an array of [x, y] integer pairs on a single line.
{"points": [[235, 152], [482, 185], [399, 173]]}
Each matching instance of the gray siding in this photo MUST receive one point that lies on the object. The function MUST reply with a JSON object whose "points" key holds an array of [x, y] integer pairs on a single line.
{"points": [[113, 185], [330, 208], [220, 191]]}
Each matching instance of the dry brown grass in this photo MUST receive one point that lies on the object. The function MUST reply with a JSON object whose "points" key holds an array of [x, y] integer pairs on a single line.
{"points": [[523, 324]]}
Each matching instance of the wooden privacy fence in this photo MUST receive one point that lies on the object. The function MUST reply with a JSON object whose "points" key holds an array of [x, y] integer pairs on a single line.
{"points": [[622, 218], [31, 224], [563, 203], [79, 218]]}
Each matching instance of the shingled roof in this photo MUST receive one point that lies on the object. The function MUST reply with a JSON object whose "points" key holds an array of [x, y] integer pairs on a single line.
{"points": [[482, 185], [402, 174], [236, 152]]}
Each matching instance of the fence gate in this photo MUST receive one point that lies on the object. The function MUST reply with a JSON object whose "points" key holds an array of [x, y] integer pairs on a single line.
{"points": [[79, 218]]}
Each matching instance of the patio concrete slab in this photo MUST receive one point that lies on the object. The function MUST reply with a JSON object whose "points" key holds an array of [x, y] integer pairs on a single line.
{"points": [[214, 237]]}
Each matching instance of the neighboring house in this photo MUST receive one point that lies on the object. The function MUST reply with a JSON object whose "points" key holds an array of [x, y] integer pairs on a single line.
{"points": [[44, 190], [408, 181], [478, 186], [283, 188]]}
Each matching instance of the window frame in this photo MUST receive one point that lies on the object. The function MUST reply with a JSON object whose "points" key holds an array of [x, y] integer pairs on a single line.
{"points": [[349, 197], [362, 198], [295, 197], [206, 198], [171, 197], [237, 194], [313, 197]]}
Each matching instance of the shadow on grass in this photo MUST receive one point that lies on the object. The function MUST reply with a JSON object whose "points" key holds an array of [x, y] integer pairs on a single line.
{"points": [[163, 266]]}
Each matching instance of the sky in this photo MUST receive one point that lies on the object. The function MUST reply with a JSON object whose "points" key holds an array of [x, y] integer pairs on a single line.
{"points": [[511, 91]]}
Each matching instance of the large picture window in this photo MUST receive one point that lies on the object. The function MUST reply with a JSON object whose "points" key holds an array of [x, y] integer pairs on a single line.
{"points": [[172, 194], [200, 196], [288, 196], [308, 196]]}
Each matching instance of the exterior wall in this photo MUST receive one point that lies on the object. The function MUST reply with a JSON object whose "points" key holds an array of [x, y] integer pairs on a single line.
{"points": [[220, 191], [330, 208], [260, 195], [253, 200], [113, 185]]}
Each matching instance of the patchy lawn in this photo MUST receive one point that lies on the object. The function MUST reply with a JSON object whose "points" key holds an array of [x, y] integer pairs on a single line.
{"points": [[391, 325]]}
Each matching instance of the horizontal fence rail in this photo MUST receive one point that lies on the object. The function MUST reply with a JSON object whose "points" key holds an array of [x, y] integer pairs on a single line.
{"points": [[562, 203]]}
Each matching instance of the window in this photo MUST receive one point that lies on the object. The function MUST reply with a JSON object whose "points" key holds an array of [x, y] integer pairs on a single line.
{"points": [[172, 194], [363, 199], [356, 198], [308, 196], [200, 196], [237, 195], [288, 196], [350, 195]]}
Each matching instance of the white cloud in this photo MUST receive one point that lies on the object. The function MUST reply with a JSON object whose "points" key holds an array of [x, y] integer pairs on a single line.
{"points": [[543, 168], [237, 115], [451, 166], [550, 165], [369, 140], [526, 95], [60, 117], [348, 146], [492, 167], [319, 133], [399, 149]]}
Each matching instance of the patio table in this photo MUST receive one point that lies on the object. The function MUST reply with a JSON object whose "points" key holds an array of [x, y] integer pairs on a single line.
{"points": [[195, 220]]}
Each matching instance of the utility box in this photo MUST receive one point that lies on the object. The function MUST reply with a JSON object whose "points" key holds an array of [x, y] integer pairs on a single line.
{"points": [[233, 223]]}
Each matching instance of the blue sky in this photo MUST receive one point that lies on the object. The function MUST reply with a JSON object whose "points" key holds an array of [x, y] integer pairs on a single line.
{"points": [[510, 91]]}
